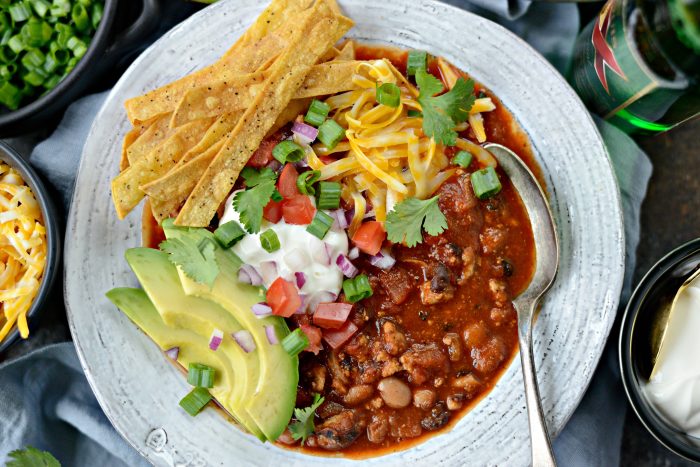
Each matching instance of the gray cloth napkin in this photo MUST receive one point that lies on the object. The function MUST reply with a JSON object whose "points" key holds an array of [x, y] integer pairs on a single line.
{"points": [[45, 400]]}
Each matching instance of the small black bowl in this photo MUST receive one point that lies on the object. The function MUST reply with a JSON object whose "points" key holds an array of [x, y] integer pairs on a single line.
{"points": [[53, 235], [657, 288], [107, 48]]}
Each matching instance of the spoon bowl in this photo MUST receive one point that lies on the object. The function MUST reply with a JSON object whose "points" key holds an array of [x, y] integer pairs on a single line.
{"points": [[546, 265]]}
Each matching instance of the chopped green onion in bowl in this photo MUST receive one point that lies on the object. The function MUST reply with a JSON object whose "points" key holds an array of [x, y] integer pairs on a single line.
{"points": [[41, 41]]}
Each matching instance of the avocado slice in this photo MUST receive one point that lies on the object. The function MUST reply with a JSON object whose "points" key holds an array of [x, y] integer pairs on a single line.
{"points": [[273, 402], [194, 348], [159, 279]]}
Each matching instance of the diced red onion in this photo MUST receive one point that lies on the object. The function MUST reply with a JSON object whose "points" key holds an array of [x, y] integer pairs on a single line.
{"points": [[301, 163], [217, 335], [249, 275], [349, 214], [340, 219], [321, 252], [271, 335], [382, 260], [245, 340], [306, 133], [354, 253], [173, 352], [369, 214], [268, 270], [304, 304], [274, 165], [300, 279], [261, 310], [345, 265], [321, 297], [296, 259]]}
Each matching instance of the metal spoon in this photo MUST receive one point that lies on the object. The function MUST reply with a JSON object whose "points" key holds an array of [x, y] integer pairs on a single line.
{"points": [[547, 262]]}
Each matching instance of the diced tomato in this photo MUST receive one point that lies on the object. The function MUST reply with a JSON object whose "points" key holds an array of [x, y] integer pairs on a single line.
{"points": [[273, 211], [287, 184], [332, 315], [283, 298], [263, 155], [314, 335], [369, 237], [337, 338], [298, 210], [326, 159]]}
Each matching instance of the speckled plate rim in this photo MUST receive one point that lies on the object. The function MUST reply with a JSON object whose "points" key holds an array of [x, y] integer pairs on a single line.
{"points": [[607, 268]]}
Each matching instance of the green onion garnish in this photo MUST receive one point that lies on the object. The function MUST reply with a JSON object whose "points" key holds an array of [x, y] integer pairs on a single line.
{"points": [[41, 7], [33, 59], [305, 182], [328, 195], [317, 113], [195, 401], [229, 233], [269, 241], [415, 113], [462, 159], [96, 14], [36, 33], [295, 342], [330, 133], [7, 55], [485, 183], [200, 376], [16, 43], [417, 59], [80, 17], [389, 94], [357, 289], [10, 95], [20, 11], [288, 151], [321, 224]]}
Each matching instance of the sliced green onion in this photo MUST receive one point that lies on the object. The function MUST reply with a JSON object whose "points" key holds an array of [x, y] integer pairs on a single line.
{"points": [[321, 224], [415, 113], [328, 195], [20, 11], [33, 58], [41, 7], [6, 22], [52, 81], [357, 289], [16, 43], [85, 3], [200, 376], [80, 17], [195, 401], [7, 55], [60, 8], [269, 241], [287, 151], [462, 159], [50, 64], [35, 77], [77, 46], [417, 59], [36, 33], [295, 342], [70, 65], [96, 14], [305, 182], [389, 94], [485, 183], [330, 133], [5, 38], [317, 113], [229, 233], [10, 95], [7, 71]]}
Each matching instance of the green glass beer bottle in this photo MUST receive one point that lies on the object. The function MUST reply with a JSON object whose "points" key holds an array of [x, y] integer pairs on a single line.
{"points": [[637, 64]]}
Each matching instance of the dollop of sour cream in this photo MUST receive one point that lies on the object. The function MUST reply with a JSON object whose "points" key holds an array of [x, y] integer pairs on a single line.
{"points": [[674, 387], [299, 251]]}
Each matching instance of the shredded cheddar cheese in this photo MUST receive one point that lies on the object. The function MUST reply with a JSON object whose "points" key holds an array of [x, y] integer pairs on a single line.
{"points": [[22, 251], [387, 157]]}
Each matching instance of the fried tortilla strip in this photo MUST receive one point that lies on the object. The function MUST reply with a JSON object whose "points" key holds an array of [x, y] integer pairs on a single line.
{"points": [[129, 139], [236, 94], [347, 51], [255, 48], [126, 193], [310, 40], [155, 132]]}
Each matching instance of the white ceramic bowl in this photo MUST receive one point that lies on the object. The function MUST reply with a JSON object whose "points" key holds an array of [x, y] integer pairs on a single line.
{"points": [[139, 390]]}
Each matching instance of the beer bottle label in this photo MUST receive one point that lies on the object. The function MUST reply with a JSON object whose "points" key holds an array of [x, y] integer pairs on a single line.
{"points": [[608, 71]]}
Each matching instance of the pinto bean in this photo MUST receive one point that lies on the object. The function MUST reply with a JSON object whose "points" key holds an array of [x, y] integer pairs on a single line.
{"points": [[424, 398], [455, 401], [396, 393], [358, 394]]}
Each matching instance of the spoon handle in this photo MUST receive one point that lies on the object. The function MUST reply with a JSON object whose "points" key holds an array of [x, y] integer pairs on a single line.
{"points": [[542, 455]]}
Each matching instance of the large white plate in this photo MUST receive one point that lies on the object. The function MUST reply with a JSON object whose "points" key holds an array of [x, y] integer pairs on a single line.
{"points": [[139, 390]]}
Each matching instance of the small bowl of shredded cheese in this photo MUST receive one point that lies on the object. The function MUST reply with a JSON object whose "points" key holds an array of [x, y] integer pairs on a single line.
{"points": [[29, 246]]}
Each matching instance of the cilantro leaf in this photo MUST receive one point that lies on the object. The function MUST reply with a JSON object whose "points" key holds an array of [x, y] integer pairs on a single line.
{"points": [[250, 203], [405, 222], [254, 177], [32, 457], [196, 257], [442, 113], [304, 424]]}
